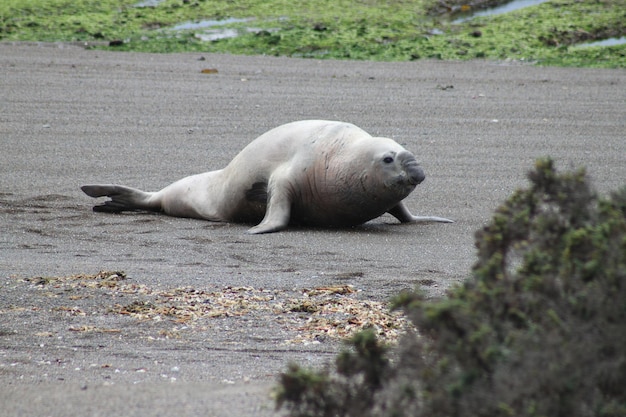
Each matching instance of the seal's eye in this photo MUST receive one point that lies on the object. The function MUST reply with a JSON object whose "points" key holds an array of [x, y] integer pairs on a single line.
{"points": [[387, 159]]}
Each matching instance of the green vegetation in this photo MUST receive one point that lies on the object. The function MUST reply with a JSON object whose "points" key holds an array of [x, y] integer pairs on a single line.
{"points": [[539, 329], [393, 30]]}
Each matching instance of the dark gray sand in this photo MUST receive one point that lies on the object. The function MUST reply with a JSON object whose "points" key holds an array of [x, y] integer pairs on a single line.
{"points": [[70, 116]]}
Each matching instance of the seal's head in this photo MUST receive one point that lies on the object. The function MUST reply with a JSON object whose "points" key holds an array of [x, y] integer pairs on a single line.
{"points": [[396, 168], [402, 170]]}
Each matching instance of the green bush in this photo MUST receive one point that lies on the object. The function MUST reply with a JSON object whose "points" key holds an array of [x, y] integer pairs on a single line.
{"points": [[538, 330]]}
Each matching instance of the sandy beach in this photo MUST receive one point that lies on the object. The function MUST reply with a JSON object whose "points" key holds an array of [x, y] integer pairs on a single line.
{"points": [[71, 116]]}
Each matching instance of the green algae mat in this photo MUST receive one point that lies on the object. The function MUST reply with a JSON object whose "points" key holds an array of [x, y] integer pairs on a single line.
{"points": [[556, 32]]}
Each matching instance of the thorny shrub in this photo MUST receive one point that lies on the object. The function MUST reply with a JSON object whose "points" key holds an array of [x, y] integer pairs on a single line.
{"points": [[538, 330]]}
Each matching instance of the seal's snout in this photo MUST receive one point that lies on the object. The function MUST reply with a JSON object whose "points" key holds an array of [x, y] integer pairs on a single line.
{"points": [[416, 175], [414, 172]]}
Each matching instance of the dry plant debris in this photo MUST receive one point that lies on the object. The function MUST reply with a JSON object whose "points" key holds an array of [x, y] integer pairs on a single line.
{"points": [[314, 314]]}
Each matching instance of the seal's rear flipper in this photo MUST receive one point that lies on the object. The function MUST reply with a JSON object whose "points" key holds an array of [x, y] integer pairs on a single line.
{"points": [[122, 198]]}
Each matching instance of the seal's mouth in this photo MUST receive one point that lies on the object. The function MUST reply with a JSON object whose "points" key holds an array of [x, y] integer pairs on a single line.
{"points": [[415, 174]]}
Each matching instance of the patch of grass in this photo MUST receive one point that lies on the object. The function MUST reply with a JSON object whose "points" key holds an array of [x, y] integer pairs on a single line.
{"points": [[342, 29]]}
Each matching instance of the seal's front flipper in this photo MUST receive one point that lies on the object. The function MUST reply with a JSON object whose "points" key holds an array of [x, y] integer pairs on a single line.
{"points": [[276, 217], [122, 198], [402, 213], [278, 210], [428, 219]]}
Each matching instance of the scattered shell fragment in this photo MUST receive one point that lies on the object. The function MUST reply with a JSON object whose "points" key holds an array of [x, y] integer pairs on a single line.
{"points": [[313, 314]]}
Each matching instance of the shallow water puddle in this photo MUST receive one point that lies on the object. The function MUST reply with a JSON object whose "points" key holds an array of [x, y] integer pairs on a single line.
{"points": [[209, 23], [210, 33], [604, 42], [148, 3], [504, 8]]}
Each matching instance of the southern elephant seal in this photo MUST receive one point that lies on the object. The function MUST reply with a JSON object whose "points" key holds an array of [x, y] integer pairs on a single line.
{"points": [[312, 172]]}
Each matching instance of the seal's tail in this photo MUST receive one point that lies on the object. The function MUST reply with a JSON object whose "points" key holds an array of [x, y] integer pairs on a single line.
{"points": [[122, 198]]}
